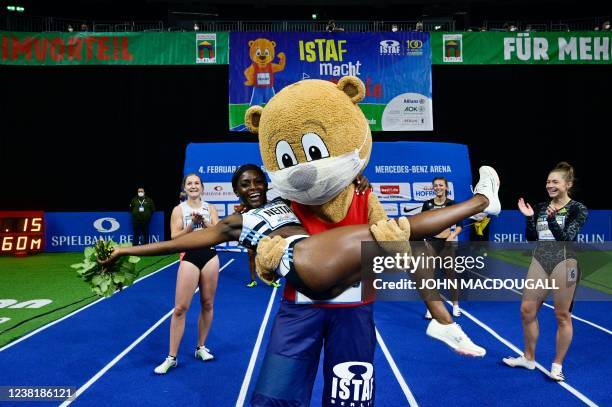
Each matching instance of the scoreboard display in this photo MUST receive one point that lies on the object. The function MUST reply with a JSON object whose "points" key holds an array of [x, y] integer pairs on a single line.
{"points": [[21, 232]]}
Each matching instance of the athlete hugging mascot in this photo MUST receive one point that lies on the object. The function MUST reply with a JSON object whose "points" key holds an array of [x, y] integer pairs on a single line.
{"points": [[314, 140]]}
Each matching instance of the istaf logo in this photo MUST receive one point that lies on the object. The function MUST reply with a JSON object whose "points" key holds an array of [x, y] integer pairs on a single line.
{"points": [[390, 47], [353, 384]]}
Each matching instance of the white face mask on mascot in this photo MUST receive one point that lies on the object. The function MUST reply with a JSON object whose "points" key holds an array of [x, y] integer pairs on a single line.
{"points": [[318, 181]]}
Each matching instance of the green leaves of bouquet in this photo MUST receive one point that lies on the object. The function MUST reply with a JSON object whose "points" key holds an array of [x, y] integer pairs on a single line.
{"points": [[105, 280]]}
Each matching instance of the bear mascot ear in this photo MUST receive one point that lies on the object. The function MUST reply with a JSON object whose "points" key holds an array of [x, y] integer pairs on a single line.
{"points": [[353, 87], [251, 118]]}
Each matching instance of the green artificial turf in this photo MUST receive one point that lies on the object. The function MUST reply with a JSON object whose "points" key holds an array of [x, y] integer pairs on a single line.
{"points": [[48, 276], [595, 265]]}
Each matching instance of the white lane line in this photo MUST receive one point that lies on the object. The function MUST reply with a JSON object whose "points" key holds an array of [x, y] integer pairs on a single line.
{"points": [[120, 356], [117, 358], [409, 396], [50, 324], [251, 367], [541, 368], [594, 325]]}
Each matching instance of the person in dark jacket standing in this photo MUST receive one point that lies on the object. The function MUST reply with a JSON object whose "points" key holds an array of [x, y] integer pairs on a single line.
{"points": [[141, 208]]}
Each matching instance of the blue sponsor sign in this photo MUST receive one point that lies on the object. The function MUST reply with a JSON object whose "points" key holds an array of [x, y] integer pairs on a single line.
{"points": [[510, 227], [400, 172], [74, 231], [395, 68]]}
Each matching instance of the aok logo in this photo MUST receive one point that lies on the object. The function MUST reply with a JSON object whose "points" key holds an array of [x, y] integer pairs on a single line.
{"points": [[106, 225], [354, 382], [415, 109]]}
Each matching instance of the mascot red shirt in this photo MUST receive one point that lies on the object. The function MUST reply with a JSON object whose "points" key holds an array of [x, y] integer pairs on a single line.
{"points": [[356, 215]]}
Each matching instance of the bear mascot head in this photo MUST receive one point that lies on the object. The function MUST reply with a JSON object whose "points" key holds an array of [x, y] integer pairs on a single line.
{"points": [[314, 140]]}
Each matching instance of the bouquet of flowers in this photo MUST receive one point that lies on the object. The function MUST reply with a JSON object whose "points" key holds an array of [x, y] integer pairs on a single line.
{"points": [[106, 279]]}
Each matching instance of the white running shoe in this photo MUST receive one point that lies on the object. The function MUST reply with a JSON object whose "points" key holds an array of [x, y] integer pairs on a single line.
{"points": [[456, 311], [166, 365], [203, 353], [556, 373], [427, 315], [520, 361], [488, 185], [453, 336]]}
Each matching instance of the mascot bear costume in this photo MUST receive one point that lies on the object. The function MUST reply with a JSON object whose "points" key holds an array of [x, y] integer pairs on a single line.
{"points": [[314, 140]]}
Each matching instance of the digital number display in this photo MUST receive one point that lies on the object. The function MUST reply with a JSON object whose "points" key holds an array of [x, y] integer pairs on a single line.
{"points": [[21, 232]]}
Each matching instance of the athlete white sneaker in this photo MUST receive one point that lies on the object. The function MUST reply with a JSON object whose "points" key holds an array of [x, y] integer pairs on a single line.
{"points": [[203, 353], [488, 185], [453, 336], [166, 365], [556, 373], [519, 361], [456, 311], [427, 315]]}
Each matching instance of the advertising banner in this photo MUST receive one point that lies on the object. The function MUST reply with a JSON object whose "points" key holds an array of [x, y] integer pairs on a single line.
{"points": [[521, 48], [395, 68], [102, 48], [74, 231], [400, 172], [510, 227]]}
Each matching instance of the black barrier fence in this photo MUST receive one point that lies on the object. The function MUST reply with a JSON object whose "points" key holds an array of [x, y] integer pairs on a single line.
{"points": [[485, 271], [29, 23]]}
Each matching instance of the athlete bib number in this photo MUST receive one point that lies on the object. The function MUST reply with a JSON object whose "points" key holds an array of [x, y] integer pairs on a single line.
{"points": [[544, 233], [349, 296], [276, 216]]}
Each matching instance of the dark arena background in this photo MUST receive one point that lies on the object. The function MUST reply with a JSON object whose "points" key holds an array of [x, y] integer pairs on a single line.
{"points": [[83, 138], [523, 119]]}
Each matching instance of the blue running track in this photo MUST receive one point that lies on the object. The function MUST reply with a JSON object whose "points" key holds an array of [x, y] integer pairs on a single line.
{"points": [[109, 350]]}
